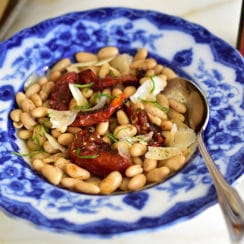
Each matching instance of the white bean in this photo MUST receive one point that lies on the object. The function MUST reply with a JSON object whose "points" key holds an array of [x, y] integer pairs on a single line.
{"points": [[129, 91], [133, 170], [84, 57], [152, 109], [149, 164], [138, 149], [177, 106], [69, 182], [37, 164], [27, 121], [87, 187], [48, 147], [61, 65], [124, 131], [65, 139], [141, 54], [124, 184], [52, 174], [102, 128], [176, 115], [27, 105], [169, 73], [107, 52], [39, 112], [61, 163], [175, 163], [75, 171], [32, 89], [36, 99], [15, 115], [122, 117], [158, 174], [111, 182], [137, 182], [20, 96], [24, 134]]}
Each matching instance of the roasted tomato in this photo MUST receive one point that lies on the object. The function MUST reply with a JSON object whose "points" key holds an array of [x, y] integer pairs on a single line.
{"points": [[140, 120], [90, 152], [61, 94], [87, 119], [158, 140], [88, 76]]}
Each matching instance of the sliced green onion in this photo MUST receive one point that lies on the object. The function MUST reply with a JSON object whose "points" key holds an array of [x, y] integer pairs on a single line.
{"points": [[77, 152], [21, 154], [165, 109], [88, 85], [111, 136], [44, 124], [82, 107], [87, 156], [99, 95], [153, 84], [38, 136], [25, 154]]}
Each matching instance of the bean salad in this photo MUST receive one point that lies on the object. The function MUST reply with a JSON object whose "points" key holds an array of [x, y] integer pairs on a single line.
{"points": [[103, 124]]}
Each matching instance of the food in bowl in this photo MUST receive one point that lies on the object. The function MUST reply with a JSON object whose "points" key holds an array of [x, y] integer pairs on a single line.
{"points": [[103, 124]]}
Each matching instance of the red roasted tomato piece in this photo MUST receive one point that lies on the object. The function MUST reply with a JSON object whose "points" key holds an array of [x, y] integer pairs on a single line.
{"points": [[88, 76], [90, 152], [61, 94], [140, 120], [87, 119]]}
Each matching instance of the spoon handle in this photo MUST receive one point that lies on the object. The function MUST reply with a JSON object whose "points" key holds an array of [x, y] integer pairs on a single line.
{"points": [[230, 202]]}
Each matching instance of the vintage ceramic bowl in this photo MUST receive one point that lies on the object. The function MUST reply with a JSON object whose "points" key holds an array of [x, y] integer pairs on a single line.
{"points": [[189, 49]]}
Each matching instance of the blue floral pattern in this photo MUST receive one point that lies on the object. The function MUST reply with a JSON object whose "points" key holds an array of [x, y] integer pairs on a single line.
{"points": [[210, 62]]}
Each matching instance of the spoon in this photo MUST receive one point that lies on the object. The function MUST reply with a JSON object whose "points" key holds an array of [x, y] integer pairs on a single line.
{"points": [[197, 117]]}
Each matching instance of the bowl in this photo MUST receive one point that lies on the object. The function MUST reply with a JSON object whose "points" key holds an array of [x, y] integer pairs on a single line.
{"points": [[189, 49]]}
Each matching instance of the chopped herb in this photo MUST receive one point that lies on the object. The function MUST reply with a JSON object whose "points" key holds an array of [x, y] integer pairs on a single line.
{"points": [[77, 152], [24, 154], [44, 124], [165, 109], [82, 107], [88, 85], [111, 136], [99, 95], [39, 137], [139, 137], [88, 156], [21, 154], [153, 84]]}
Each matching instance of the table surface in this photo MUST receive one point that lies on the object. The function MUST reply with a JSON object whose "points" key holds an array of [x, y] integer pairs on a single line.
{"points": [[221, 17]]}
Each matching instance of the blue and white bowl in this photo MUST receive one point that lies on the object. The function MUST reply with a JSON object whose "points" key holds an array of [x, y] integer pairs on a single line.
{"points": [[189, 49]]}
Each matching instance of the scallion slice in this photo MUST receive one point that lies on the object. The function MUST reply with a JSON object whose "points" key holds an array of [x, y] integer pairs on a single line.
{"points": [[77, 152], [88, 85]]}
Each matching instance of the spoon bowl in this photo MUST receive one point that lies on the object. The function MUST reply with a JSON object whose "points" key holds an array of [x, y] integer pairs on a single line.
{"points": [[197, 117]]}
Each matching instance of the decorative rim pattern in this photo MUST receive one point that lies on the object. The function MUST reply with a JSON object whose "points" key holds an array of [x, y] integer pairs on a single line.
{"points": [[214, 65]]}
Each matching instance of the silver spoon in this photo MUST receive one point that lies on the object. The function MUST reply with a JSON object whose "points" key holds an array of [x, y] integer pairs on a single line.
{"points": [[198, 116]]}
